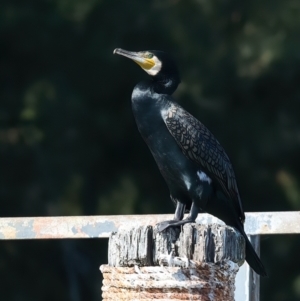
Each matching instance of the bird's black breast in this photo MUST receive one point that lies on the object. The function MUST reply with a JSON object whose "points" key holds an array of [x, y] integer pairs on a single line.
{"points": [[177, 170]]}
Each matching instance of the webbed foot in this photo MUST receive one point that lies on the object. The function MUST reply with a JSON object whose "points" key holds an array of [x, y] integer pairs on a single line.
{"points": [[173, 223], [166, 224], [191, 218]]}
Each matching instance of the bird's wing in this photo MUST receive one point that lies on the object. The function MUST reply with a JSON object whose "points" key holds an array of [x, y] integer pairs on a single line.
{"points": [[199, 144]]}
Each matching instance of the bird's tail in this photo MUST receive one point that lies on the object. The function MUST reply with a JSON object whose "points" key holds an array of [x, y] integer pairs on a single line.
{"points": [[251, 256]]}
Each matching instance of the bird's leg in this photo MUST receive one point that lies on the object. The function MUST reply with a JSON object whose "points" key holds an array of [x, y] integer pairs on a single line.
{"points": [[178, 216], [178, 222], [179, 212]]}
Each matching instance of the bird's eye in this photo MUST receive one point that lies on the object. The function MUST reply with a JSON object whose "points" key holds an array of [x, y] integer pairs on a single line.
{"points": [[149, 55]]}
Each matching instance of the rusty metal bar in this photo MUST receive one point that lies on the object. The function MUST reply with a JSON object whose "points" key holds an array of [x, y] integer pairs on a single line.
{"points": [[60, 227]]}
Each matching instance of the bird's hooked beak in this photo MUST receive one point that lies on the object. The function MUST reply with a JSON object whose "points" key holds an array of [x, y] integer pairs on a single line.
{"points": [[144, 59]]}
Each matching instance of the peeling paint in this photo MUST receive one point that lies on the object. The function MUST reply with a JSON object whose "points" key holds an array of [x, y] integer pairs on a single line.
{"points": [[94, 230], [59, 227], [25, 230], [74, 230]]}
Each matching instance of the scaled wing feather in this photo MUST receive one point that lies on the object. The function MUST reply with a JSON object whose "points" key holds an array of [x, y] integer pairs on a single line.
{"points": [[198, 143]]}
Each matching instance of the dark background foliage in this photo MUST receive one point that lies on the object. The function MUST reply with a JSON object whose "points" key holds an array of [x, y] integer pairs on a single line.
{"points": [[69, 145]]}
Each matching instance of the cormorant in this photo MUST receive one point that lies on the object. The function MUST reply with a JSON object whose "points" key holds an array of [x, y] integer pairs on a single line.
{"points": [[194, 165]]}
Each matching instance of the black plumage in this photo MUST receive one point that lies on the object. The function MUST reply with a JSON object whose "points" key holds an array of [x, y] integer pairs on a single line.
{"points": [[194, 165]]}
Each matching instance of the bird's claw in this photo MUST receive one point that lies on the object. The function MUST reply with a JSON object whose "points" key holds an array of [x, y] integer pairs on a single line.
{"points": [[165, 225]]}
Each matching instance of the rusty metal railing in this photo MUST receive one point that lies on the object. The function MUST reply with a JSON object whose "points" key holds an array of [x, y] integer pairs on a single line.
{"points": [[60, 227]]}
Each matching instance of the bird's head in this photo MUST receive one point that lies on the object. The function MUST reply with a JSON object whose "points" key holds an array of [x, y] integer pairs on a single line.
{"points": [[158, 64]]}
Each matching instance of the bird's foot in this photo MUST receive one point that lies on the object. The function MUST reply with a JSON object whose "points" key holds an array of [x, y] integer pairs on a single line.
{"points": [[165, 225], [172, 223]]}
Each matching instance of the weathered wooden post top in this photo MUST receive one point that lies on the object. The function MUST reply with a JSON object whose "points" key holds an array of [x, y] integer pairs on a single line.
{"points": [[198, 263]]}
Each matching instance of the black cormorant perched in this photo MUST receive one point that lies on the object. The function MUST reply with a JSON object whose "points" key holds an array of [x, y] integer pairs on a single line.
{"points": [[194, 165]]}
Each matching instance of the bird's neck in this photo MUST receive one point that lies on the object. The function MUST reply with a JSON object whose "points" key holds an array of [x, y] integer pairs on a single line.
{"points": [[165, 85]]}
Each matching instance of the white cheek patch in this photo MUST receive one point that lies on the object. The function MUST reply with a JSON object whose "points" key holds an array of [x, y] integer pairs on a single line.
{"points": [[203, 177], [156, 68]]}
